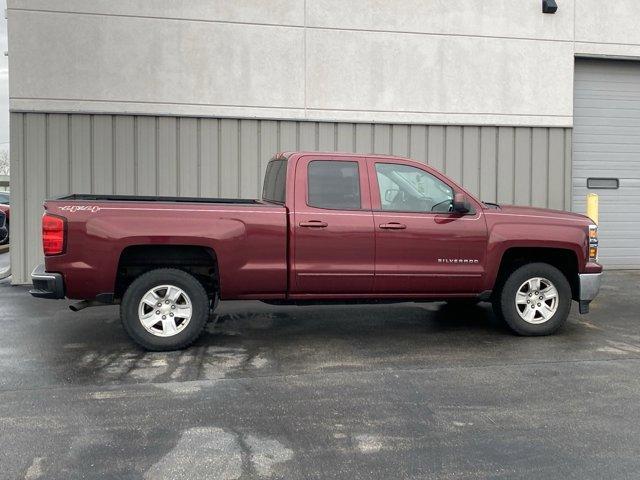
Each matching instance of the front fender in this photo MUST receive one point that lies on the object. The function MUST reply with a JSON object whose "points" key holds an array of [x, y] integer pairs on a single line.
{"points": [[505, 235]]}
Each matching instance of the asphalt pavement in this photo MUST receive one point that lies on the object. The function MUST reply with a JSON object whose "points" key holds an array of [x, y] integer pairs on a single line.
{"points": [[340, 392], [4, 261]]}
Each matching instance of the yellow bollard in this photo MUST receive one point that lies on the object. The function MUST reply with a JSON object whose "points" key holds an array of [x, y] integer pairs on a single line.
{"points": [[592, 207]]}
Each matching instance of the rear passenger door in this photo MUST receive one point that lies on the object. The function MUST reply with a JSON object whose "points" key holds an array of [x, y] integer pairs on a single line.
{"points": [[333, 236]]}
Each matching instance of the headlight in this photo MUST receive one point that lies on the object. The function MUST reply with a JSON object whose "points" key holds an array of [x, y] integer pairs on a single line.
{"points": [[593, 242]]}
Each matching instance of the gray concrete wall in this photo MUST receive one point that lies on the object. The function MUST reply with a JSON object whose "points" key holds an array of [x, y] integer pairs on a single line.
{"points": [[56, 154], [403, 61]]}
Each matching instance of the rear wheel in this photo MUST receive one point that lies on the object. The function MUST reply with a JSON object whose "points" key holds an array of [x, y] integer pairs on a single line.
{"points": [[164, 309], [534, 300]]}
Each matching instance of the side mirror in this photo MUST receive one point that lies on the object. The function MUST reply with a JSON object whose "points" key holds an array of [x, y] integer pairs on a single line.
{"points": [[460, 203]]}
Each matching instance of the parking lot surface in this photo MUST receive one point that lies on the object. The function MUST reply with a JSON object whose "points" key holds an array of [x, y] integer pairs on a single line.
{"points": [[4, 260], [354, 392]]}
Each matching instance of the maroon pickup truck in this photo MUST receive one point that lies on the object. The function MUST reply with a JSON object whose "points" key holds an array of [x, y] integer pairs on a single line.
{"points": [[329, 228]]}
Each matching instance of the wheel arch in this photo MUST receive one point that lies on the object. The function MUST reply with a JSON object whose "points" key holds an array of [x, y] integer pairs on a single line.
{"points": [[198, 260], [564, 259]]}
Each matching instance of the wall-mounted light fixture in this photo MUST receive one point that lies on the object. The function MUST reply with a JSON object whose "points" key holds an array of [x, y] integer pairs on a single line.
{"points": [[549, 6]]}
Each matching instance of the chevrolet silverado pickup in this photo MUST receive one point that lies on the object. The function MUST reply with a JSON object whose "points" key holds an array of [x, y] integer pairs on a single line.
{"points": [[328, 228]]}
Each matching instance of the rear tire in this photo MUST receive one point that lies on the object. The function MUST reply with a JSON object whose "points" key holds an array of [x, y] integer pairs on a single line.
{"points": [[164, 309], [534, 300]]}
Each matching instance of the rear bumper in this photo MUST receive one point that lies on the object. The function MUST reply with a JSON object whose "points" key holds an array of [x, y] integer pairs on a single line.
{"points": [[46, 285], [589, 288]]}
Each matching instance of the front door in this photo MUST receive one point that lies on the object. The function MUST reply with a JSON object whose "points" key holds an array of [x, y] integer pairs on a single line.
{"points": [[333, 237], [421, 246]]}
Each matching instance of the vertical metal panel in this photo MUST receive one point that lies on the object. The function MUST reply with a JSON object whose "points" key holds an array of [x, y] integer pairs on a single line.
{"points": [[471, 159], [308, 136], [436, 146], [58, 175], [209, 161], [124, 155], [288, 136], [568, 169], [35, 182], [400, 140], [453, 153], [488, 163], [506, 154], [418, 143], [59, 154], [146, 172], [556, 181], [229, 166], [250, 184], [327, 136], [102, 154], [167, 156], [364, 138], [80, 148], [522, 180], [381, 138], [539, 167], [19, 182], [345, 141], [188, 157]]}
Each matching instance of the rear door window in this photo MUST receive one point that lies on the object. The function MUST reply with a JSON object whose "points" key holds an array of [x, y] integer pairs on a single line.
{"points": [[333, 185]]}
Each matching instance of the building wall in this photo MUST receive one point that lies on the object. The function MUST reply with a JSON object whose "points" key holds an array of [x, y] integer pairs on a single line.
{"points": [[57, 154], [440, 62], [455, 61]]}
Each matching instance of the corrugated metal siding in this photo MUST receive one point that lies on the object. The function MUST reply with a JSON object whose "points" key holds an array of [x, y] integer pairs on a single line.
{"points": [[606, 143], [57, 154]]}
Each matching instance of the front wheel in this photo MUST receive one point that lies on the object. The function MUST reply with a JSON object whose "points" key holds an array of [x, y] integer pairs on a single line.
{"points": [[534, 300], [164, 309]]}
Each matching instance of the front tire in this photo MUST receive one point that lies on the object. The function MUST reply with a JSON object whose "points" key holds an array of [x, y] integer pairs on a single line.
{"points": [[534, 300], [164, 309]]}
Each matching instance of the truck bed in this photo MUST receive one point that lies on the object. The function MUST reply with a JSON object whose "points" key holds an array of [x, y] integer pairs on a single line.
{"points": [[139, 198]]}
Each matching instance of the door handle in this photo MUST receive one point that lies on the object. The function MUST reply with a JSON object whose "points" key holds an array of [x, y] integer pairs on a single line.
{"points": [[314, 224], [393, 226]]}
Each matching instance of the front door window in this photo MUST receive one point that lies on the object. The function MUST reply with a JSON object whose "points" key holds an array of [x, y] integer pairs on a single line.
{"points": [[404, 188]]}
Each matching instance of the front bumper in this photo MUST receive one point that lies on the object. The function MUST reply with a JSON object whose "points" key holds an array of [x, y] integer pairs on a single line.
{"points": [[46, 285], [589, 288]]}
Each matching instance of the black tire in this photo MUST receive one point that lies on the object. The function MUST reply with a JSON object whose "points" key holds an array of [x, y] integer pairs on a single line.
{"points": [[164, 276], [505, 302]]}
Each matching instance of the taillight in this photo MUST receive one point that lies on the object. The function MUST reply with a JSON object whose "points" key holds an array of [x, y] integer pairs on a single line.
{"points": [[53, 233]]}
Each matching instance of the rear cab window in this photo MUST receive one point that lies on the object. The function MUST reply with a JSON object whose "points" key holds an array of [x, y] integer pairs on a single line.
{"points": [[274, 189]]}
